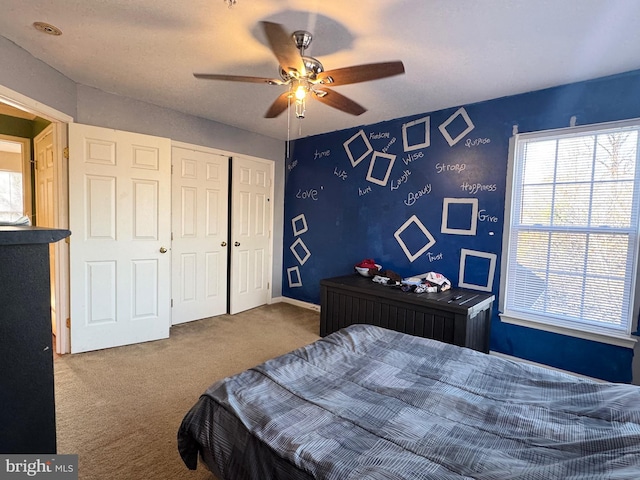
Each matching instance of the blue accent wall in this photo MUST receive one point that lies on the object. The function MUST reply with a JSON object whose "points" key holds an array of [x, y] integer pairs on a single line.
{"points": [[427, 193]]}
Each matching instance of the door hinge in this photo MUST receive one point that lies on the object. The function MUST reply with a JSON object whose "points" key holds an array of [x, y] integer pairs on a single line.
{"points": [[68, 323], [65, 153], [172, 303]]}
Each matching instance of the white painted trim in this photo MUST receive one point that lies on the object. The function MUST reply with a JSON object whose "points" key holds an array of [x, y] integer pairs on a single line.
{"points": [[297, 303], [529, 362], [621, 341], [59, 119], [24, 103]]}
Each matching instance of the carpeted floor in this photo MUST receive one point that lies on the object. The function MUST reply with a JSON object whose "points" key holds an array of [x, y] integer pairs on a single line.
{"points": [[120, 409]]}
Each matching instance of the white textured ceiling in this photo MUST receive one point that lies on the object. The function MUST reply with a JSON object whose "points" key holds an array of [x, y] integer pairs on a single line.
{"points": [[455, 52]]}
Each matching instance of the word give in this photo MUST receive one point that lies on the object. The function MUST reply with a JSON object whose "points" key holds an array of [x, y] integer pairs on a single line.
{"points": [[483, 217]]}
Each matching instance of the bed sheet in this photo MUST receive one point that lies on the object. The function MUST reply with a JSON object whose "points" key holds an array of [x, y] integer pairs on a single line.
{"points": [[371, 403]]}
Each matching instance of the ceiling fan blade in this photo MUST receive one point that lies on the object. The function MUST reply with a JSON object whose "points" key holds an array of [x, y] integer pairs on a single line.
{"points": [[279, 106], [336, 100], [361, 73], [283, 47], [238, 78]]}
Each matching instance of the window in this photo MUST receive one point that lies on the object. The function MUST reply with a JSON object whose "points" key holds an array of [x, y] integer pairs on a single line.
{"points": [[11, 207], [571, 242]]}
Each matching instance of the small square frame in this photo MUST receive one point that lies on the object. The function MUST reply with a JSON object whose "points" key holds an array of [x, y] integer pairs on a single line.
{"points": [[464, 253]]}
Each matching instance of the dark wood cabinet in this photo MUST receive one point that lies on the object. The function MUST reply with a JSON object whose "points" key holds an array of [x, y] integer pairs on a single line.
{"points": [[463, 321], [27, 404]]}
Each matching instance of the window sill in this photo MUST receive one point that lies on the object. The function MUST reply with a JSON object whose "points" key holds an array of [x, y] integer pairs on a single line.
{"points": [[621, 341]]}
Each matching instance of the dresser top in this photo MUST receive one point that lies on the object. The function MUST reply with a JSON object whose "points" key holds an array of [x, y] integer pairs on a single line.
{"points": [[454, 299], [15, 235]]}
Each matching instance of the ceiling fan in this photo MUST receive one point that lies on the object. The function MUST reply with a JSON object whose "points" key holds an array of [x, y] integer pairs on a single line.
{"points": [[305, 75]]}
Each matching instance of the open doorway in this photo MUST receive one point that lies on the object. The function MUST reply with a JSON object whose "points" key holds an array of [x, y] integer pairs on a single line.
{"points": [[15, 180], [23, 122]]}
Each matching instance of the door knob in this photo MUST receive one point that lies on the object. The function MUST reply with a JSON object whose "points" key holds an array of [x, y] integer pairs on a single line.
{"points": [[163, 250], [223, 244], [237, 244]]}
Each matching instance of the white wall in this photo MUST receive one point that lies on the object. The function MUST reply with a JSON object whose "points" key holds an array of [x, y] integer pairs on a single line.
{"points": [[28, 76]]}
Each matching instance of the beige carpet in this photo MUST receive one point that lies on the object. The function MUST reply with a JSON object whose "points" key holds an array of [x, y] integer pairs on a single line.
{"points": [[120, 409]]}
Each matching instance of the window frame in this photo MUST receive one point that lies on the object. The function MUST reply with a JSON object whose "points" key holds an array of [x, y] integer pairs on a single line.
{"points": [[537, 321]]}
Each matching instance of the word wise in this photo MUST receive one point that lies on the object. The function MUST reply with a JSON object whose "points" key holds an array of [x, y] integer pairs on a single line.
{"points": [[412, 156]]}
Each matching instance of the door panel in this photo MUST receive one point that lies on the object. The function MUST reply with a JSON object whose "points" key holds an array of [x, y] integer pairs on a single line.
{"points": [[119, 216], [46, 207], [200, 186], [251, 233]]}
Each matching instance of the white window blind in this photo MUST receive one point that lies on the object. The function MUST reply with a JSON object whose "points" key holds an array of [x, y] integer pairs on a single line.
{"points": [[11, 206], [572, 248]]}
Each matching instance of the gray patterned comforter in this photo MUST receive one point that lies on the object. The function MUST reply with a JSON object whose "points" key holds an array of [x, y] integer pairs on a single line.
{"points": [[370, 403]]}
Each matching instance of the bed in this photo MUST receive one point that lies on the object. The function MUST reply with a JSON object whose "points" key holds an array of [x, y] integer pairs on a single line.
{"points": [[371, 403]]}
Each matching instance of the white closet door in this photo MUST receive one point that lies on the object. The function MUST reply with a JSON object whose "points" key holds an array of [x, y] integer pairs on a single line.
{"points": [[119, 217], [200, 186]]}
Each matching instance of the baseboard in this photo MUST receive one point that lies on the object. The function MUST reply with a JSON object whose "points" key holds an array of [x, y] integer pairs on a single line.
{"points": [[297, 303], [522, 360]]}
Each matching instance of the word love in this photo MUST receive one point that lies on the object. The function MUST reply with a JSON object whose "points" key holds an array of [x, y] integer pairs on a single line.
{"points": [[311, 193], [413, 197]]}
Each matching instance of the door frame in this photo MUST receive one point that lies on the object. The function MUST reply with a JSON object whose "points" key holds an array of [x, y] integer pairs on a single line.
{"points": [[59, 120]]}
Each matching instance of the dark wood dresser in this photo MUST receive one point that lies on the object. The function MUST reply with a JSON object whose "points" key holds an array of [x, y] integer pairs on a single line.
{"points": [[27, 404], [350, 299]]}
